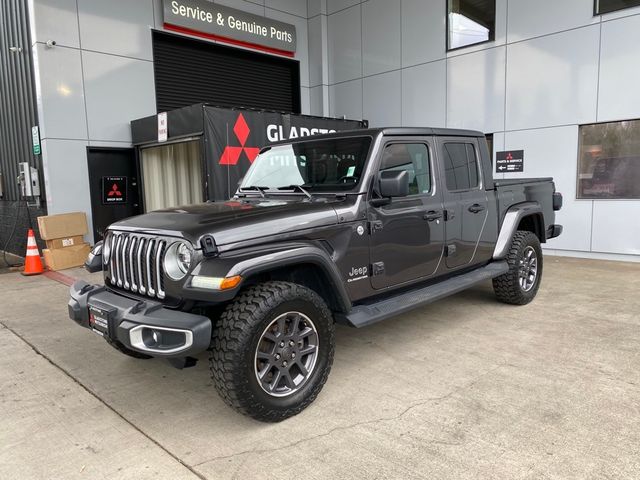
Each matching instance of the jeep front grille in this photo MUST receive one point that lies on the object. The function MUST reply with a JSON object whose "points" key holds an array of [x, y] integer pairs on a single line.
{"points": [[136, 263]]}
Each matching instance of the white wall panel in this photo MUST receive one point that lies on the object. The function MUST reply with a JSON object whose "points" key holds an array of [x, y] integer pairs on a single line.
{"points": [[55, 20], [616, 226], [305, 101], [380, 36], [528, 19], [553, 80], [424, 94], [118, 90], [475, 90], [61, 109], [317, 34], [67, 178], [345, 45], [319, 100], [382, 102], [423, 31], [553, 152], [619, 96], [316, 7], [346, 99], [336, 5], [120, 27], [302, 49], [294, 7]]}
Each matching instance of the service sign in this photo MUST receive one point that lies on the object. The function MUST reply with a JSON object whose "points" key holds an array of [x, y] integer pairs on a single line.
{"points": [[510, 161], [220, 22], [114, 190]]}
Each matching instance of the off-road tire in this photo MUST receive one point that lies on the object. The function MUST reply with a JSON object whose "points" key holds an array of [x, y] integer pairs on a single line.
{"points": [[128, 352], [507, 287], [235, 339]]}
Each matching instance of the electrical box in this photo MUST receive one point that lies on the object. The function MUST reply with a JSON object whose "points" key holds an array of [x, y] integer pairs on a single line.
{"points": [[29, 181]]}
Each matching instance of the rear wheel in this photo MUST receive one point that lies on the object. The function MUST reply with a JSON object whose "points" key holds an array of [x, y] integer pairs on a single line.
{"points": [[272, 350], [520, 284]]}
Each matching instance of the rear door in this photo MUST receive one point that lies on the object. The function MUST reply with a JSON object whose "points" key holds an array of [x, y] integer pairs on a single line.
{"points": [[465, 199], [407, 234]]}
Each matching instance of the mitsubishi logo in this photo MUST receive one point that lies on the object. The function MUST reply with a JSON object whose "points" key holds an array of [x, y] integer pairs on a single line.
{"points": [[509, 156], [114, 191], [231, 155]]}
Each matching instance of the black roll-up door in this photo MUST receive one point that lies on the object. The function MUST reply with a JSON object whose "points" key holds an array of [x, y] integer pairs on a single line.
{"points": [[189, 71]]}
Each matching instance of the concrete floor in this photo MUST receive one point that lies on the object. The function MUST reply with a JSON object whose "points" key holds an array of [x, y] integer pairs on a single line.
{"points": [[464, 388]]}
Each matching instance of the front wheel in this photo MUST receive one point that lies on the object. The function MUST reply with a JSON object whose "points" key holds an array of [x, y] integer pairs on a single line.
{"points": [[520, 284], [272, 350]]}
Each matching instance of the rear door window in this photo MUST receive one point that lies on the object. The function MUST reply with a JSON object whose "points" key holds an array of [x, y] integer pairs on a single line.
{"points": [[460, 166]]}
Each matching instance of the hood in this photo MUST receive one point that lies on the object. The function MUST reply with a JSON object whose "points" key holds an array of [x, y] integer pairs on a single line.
{"points": [[235, 220]]}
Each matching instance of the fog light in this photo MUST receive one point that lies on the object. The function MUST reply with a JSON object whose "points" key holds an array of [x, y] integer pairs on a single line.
{"points": [[215, 283]]}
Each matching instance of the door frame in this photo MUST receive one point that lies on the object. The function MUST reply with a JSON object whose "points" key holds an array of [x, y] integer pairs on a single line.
{"points": [[204, 168]]}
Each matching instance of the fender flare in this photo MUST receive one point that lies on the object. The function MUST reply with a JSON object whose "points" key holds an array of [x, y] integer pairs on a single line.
{"points": [[254, 263], [510, 224]]}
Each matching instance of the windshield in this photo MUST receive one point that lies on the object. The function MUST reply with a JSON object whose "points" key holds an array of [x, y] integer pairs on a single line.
{"points": [[322, 165]]}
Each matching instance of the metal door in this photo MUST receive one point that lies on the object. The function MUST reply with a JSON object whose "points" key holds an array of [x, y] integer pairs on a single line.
{"points": [[465, 199], [407, 234], [113, 183]]}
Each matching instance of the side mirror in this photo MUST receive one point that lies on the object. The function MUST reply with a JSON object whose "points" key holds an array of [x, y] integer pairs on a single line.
{"points": [[94, 260], [394, 183]]}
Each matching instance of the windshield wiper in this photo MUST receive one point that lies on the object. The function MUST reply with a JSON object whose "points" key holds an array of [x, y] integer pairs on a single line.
{"points": [[298, 187], [256, 188]]}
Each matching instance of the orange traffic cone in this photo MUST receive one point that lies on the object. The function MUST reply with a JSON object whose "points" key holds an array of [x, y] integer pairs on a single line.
{"points": [[32, 262]]}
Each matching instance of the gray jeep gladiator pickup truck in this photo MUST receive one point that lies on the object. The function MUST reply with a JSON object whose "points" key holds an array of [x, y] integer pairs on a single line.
{"points": [[352, 227]]}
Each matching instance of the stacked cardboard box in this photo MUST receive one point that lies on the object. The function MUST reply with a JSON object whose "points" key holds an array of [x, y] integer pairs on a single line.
{"points": [[64, 235]]}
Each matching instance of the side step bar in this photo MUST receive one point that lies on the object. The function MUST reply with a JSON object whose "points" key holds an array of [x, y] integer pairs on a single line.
{"points": [[362, 315]]}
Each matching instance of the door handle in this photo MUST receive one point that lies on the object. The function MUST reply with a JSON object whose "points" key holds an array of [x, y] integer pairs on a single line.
{"points": [[476, 208], [432, 215]]}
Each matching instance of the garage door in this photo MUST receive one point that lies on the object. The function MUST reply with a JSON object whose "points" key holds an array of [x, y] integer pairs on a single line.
{"points": [[189, 71]]}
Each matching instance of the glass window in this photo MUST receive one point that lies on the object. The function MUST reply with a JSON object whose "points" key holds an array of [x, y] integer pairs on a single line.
{"points": [[460, 166], [606, 6], [470, 22], [412, 157], [609, 160], [317, 165]]}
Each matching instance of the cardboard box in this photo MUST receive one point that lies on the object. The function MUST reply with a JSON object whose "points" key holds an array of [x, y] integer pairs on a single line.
{"points": [[64, 225], [65, 242], [68, 257]]}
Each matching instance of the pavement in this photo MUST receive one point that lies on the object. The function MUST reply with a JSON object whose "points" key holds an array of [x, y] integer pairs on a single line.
{"points": [[464, 388]]}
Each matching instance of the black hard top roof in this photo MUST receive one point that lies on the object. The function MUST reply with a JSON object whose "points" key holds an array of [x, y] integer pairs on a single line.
{"points": [[390, 132]]}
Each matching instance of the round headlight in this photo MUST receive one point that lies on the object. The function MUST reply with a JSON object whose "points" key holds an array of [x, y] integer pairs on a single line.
{"points": [[177, 260], [106, 249]]}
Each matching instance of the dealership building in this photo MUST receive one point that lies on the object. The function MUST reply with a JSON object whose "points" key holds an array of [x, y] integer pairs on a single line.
{"points": [[553, 83]]}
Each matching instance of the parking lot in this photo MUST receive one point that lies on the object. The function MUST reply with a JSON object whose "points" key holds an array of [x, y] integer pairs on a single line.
{"points": [[464, 388]]}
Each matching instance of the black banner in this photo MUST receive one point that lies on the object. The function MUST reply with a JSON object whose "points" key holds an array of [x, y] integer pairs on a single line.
{"points": [[510, 161], [234, 139]]}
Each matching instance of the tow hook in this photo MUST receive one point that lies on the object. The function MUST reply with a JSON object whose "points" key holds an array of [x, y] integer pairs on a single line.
{"points": [[183, 362]]}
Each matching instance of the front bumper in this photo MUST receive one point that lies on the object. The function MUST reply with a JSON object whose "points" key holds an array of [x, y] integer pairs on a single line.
{"points": [[144, 326]]}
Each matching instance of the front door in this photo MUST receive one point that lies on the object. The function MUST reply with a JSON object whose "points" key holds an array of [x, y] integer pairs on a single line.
{"points": [[407, 234], [465, 200], [113, 182]]}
